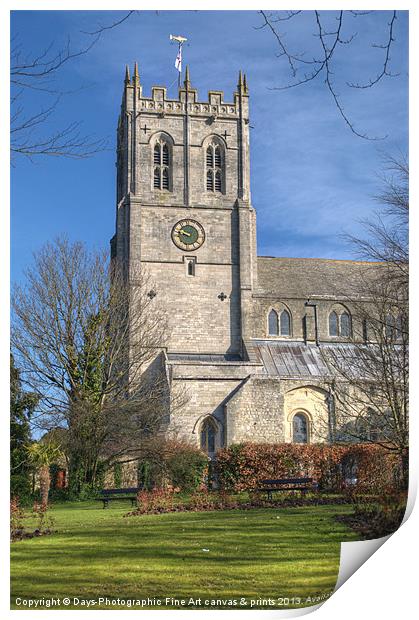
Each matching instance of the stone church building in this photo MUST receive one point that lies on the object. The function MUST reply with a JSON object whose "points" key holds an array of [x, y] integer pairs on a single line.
{"points": [[247, 332]]}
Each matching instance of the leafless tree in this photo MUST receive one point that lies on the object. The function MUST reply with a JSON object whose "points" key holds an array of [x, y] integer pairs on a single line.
{"points": [[387, 233], [333, 33], [92, 348], [36, 76], [372, 371]]}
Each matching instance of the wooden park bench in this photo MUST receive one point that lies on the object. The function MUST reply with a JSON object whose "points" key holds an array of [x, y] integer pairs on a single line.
{"points": [[108, 494], [288, 484]]}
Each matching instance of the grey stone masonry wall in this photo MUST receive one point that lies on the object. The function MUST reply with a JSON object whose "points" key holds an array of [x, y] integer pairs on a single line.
{"points": [[206, 310], [206, 397], [207, 389], [255, 412]]}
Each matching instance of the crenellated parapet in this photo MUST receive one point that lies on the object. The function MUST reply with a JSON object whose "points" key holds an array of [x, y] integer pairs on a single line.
{"points": [[188, 101]]}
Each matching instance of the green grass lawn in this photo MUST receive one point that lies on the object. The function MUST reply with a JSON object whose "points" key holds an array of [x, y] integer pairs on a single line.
{"points": [[252, 554]]}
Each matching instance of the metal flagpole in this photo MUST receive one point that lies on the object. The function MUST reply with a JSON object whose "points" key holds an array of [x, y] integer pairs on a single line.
{"points": [[180, 65], [178, 62]]}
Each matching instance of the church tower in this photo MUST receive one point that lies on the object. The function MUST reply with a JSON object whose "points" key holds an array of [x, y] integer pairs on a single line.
{"points": [[184, 210]]}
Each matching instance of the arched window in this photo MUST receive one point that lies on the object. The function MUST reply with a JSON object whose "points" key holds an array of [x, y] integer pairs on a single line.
{"points": [[333, 324], [208, 436], [215, 168], [300, 428], [162, 165], [345, 325], [273, 323], [340, 322], [285, 323]]}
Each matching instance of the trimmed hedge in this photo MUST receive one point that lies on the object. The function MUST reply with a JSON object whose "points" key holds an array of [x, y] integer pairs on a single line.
{"points": [[240, 466]]}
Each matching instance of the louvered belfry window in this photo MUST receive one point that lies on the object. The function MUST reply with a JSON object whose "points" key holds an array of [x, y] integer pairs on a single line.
{"points": [[215, 168], [162, 164]]}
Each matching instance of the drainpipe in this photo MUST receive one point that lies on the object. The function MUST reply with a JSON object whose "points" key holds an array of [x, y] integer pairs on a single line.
{"points": [[316, 328], [330, 400]]}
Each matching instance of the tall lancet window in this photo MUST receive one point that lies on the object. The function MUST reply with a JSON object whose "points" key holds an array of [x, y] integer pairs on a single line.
{"points": [[300, 428], [333, 324], [285, 323], [273, 324], [162, 165], [209, 437], [215, 168]]}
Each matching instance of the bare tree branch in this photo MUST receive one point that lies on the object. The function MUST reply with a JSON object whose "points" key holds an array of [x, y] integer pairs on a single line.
{"points": [[40, 73], [92, 348], [384, 71], [330, 42], [102, 29], [371, 388]]}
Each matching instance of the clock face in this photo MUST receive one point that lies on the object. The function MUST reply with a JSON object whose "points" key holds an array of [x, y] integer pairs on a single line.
{"points": [[188, 235]]}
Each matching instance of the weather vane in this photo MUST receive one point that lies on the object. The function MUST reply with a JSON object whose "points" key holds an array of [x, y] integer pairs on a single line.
{"points": [[178, 62]]}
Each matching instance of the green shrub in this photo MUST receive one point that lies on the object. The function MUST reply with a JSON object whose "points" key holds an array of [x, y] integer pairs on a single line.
{"points": [[380, 518], [186, 468], [117, 475], [172, 462], [20, 486], [145, 474]]}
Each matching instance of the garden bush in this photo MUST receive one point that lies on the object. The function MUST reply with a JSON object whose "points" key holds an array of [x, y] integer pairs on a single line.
{"points": [[20, 486], [186, 468], [43, 520], [156, 500], [172, 462], [378, 518], [16, 519], [167, 500], [241, 466]]}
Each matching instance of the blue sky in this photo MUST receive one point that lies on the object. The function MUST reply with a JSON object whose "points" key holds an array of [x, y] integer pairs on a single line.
{"points": [[312, 179]]}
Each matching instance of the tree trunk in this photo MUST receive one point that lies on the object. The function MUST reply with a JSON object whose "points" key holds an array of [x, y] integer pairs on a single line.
{"points": [[44, 485], [405, 469]]}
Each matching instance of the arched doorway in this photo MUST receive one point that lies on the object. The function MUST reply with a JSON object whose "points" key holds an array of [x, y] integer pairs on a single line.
{"points": [[300, 428], [208, 437]]}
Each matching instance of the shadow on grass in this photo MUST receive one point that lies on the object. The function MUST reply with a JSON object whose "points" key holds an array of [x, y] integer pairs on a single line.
{"points": [[250, 553]]}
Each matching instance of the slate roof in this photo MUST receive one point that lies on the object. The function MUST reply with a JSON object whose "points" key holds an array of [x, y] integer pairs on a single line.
{"points": [[308, 277], [288, 359], [296, 360]]}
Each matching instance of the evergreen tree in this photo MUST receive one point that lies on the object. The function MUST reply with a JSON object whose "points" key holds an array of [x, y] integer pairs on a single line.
{"points": [[22, 405]]}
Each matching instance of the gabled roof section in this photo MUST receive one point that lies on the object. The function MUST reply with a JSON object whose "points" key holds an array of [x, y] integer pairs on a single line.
{"points": [[311, 277]]}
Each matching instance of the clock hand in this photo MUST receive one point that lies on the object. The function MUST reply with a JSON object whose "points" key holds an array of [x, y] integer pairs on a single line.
{"points": [[184, 232]]}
